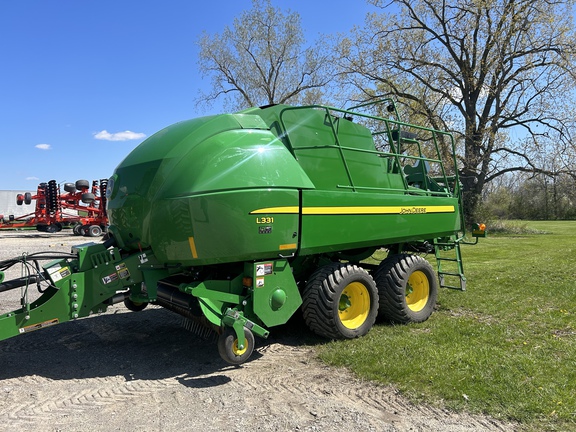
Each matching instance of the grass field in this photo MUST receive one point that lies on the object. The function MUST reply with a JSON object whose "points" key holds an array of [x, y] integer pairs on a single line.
{"points": [[505, 347]]}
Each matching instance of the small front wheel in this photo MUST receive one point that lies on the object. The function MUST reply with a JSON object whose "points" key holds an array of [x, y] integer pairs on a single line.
{"points": [[229, 349], [134, 306]]}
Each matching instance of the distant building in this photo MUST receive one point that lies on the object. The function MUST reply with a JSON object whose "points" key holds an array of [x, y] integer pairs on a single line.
{"points": [[8, 204]]}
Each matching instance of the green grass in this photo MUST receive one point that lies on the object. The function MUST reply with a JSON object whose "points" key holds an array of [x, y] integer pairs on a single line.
{"points": [[505, 347]]}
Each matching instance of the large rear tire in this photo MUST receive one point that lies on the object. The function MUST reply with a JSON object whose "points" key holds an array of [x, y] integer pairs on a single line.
{"points": [[340, 301], [407, 289]]}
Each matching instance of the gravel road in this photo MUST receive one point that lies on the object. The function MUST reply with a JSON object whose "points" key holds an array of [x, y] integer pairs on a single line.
{"points": [[125, 371]]}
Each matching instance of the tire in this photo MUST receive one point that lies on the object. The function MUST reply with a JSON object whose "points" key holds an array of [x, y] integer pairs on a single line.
{"points": [[82, 184], [88, 198], [228, 346], [52, 228], [94, 231], [407, 289], [78, 229], [19, 199], [133, 306], [69, 187], [27, 198], [340, 301]]}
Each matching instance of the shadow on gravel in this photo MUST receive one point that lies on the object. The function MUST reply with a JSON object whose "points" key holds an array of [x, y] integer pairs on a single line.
{"points": [[38, 234], [147, 345]]}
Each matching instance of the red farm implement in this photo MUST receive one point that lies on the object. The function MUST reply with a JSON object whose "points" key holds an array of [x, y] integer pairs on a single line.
{"points": [[80, 206]]}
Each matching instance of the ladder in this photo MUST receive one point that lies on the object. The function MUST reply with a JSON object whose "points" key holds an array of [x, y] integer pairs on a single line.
{"points": [[449, 262]]}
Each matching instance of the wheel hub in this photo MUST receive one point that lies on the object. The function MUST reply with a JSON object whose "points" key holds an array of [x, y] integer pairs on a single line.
{"points": [[354, 305], [417, 291]]}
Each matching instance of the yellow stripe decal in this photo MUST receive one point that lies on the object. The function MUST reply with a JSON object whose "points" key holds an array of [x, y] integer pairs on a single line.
{"points": [[278, 210], [357, 210], [376, 210], [193, 247]]}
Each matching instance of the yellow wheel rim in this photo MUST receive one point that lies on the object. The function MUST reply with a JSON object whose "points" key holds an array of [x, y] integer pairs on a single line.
{"points": [[354, 305], [417, 291], [236, 350]]}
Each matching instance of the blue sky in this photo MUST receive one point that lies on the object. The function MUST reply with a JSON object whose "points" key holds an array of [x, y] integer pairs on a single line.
{"points": [[84, 82]]}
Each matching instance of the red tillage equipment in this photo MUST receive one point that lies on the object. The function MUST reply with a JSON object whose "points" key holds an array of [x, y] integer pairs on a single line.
{"points": [[82, 206]]}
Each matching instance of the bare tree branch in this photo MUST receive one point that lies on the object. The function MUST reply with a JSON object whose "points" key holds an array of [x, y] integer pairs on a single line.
{"points": [[262, 60], [496, 69]]}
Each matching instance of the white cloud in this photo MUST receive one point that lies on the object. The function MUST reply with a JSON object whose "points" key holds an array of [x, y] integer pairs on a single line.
{"points": [[118, 136], [32, 178], [44, 146]]}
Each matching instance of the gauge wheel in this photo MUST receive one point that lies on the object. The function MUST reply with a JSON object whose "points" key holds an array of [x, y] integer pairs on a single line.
{"points": [[134, 306], [82, 184], [88, 197], [407, 289], [340, 301], [69, 187], [228, 346]]}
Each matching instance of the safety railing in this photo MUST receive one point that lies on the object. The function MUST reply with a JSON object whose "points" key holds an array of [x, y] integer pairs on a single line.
{"points": [[399, 136]]}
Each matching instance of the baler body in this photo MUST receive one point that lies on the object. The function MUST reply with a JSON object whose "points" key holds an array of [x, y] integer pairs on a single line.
{"points": [[266, 182]]}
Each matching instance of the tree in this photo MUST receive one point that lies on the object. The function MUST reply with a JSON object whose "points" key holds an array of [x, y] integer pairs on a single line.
{"points": [[262, 60], [497, 73]]}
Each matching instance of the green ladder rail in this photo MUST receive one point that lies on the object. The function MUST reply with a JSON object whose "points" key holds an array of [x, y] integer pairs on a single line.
{"points": [[454, 261]]}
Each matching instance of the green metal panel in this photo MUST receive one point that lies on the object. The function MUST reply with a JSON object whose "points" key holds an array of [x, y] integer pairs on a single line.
{"points": [[169, 190], [334, 151], [219, 227], [333, 221], [276, 296]]}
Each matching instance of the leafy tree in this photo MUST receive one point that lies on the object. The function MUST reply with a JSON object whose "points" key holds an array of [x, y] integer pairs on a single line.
{"points": [[262, 60], [530, 197], [497, 73]]}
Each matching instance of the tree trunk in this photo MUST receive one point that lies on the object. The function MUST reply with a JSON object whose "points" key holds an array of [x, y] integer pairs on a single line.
{"points": [[471, 195]]}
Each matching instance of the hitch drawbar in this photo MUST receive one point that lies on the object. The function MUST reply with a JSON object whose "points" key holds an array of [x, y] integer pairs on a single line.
{"points": [[16, 283], [71, 285]]}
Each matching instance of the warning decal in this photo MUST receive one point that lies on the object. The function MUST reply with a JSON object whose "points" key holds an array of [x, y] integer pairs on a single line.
{"points": [[123, 272], [110, 278], [39, 326]]}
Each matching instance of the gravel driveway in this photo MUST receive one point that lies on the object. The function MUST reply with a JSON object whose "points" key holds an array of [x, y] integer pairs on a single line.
{"points": [[125, 371]]}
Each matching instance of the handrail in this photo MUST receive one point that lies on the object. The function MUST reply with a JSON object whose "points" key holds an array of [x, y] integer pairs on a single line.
{"points": [[451, 182]]}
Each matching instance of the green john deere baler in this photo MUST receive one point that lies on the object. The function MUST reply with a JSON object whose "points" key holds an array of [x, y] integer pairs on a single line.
{"points": [[239, 221]]}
